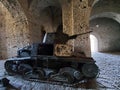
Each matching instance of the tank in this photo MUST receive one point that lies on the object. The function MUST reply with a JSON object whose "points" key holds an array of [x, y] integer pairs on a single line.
{"points": [[52, 62]]}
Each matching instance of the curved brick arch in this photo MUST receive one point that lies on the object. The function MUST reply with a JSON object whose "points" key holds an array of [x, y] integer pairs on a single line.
{"points": [[112, 15], [102, 6], [106, 18], [107, 31], [14, 8]]}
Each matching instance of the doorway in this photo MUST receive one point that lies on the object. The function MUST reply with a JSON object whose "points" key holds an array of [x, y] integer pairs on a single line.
{"points": [[93, 43]]}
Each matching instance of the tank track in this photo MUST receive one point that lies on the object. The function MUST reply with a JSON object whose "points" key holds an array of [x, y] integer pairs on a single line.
{"points": [[75, 85]]}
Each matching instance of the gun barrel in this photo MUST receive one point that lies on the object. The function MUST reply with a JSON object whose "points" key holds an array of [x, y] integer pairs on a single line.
{"points": [[75, 36]]}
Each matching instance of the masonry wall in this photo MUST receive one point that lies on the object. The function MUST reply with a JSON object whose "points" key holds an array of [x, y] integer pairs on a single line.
{"points": [[107, 31], [14, 31], [3, 52]]}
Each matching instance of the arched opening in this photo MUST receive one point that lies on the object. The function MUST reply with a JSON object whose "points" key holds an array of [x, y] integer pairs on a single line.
{"points": [[93, 43], [44, 17], [107, 31]]}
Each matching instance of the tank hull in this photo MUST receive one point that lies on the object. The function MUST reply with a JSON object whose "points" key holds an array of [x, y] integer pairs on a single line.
{"points": [[39, 62], [68, 70]]}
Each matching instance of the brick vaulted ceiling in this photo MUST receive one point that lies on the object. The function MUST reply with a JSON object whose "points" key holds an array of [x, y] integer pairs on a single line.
{"points": [[23, 14], [103, 9], [105, 23]]}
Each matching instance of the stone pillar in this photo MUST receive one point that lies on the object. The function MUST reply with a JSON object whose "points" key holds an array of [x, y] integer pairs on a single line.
{"points": [[81, 14], [75, 14], [67, 18]]}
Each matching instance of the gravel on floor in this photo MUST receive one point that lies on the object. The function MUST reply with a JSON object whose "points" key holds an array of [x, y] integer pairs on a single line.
{"points": [[109, 65]]}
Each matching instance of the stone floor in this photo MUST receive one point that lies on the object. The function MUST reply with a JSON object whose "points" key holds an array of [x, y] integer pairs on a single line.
{"points": [[108, 79], [109, 64]]}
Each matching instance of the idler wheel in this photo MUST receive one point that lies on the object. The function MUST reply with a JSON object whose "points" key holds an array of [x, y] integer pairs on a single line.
{"points": [[9, 66], [90, 70]]}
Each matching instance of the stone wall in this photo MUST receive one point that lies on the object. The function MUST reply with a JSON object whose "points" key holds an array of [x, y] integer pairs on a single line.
{"points": [[3, 52], [15, 33], [107, 31]]}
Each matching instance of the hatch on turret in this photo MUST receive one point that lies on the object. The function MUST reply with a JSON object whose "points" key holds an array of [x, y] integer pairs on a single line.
{"points": [[49, 38]]}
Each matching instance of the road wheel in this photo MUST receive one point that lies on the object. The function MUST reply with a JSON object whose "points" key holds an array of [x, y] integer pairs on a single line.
{"points": [[90, 70], [69, 77]]}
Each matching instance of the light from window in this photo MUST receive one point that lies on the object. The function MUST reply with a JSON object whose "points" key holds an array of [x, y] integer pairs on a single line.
{"points": [[93, 43]]}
